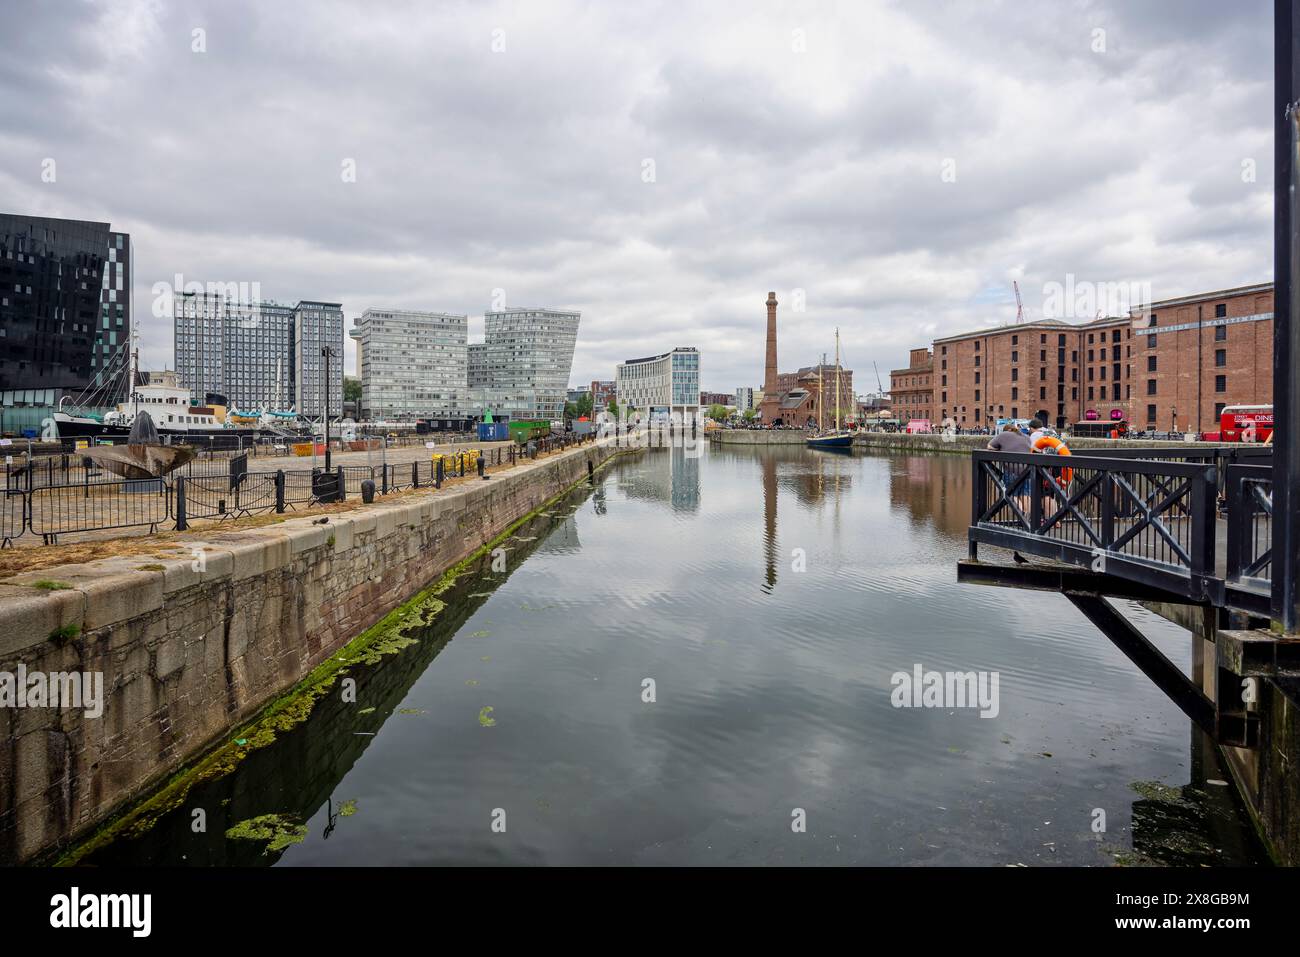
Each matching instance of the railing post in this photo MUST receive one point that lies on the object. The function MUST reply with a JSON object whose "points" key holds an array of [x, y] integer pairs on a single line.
{"points": [[181, 523], [279, 490], [1203, 517], [343, 488], [437, 474], [415, 475], [1035, 479], [1108, 492]]}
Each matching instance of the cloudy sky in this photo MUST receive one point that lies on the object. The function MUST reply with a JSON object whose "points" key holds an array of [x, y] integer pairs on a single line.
{"points": [[887, 167]]}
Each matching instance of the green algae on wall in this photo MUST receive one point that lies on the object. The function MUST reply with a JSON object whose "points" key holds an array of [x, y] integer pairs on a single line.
{"points": [[386, 637]]}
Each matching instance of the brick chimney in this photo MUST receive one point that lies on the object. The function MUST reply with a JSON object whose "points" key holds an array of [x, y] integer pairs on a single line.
{"points": [[770, 409]]}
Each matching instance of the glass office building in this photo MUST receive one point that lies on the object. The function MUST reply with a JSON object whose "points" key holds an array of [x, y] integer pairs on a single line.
{"points": [[413, 365], [527, 355], [661, 385], [52, 274]]}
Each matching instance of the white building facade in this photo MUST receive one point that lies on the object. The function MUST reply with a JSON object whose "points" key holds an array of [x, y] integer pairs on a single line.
{"points": [[661, 386], [413, 365]]}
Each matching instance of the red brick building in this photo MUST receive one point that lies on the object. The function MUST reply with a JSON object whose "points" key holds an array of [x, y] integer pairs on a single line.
{"points": [[1171, 365], [1048, 369], [1199, 353], [911, 390]]}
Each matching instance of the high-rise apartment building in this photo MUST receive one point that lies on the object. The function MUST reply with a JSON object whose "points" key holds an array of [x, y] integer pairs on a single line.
{"points": [[526, 358], [240, 351], [317, 326], [413, 364]]}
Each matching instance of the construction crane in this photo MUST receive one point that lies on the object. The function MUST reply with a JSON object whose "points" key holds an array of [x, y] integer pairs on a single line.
{"points": [[1020, 309], [879, 385]]}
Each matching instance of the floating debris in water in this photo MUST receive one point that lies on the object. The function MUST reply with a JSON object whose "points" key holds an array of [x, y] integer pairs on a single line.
{"points": [[471, 682], [480, 634], [483, 716], [411, 711], [348, 808], [365, 711], [481, 594], [277, 830]]}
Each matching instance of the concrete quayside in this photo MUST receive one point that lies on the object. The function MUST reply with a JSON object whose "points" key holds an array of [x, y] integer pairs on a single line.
{"points": [[198, 637]]}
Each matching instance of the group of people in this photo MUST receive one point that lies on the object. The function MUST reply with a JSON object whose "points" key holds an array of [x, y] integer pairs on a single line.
{"points": [[1014, 439]]}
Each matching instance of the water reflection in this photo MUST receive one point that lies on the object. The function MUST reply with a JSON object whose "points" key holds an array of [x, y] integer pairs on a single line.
{"points": [[767, 698]]}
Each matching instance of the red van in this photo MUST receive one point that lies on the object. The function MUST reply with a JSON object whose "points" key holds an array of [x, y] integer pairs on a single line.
{"points": [[1246, 423]]}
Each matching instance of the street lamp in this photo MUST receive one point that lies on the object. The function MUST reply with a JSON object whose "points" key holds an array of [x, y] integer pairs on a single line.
{"points": [[326, 352]]}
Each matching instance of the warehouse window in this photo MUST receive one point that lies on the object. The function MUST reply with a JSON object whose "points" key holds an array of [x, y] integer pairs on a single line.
{"points": [[1220, 383]]}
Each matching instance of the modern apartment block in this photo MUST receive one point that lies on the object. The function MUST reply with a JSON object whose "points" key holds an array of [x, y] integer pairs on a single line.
{"points": [[413, 364], [316, 326], [661, 385], [744, 399], [261, 353], [52, 276], [522, 367], [240, 351]]}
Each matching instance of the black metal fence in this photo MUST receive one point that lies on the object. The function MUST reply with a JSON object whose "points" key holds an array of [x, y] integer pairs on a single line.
{"points": [[1151, 516], [34, 502]]}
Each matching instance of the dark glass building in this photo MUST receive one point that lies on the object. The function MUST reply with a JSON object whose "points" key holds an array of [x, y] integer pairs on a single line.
{"points": [[51, 296]]}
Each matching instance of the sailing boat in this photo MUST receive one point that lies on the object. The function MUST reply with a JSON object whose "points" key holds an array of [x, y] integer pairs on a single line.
{"points": [[837, 438]]}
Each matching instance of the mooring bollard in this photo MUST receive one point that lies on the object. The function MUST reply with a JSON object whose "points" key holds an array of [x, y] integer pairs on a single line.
{"points": [[368, 491], [279, 490], [481, 473], [437, 474]]}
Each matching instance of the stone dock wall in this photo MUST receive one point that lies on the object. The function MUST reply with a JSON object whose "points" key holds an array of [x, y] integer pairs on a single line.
{"points": [[191, 647]]}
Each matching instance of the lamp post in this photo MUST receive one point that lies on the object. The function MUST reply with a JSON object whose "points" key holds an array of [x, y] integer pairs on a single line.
{"points": [[326, 352]]}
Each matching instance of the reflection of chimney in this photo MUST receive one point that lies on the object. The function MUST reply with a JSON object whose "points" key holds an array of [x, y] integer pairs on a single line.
{"points": [[771, 406]]}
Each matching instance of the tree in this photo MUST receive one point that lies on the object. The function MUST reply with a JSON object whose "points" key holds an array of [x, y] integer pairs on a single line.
{"points": [[351, 389], [750, 415], [718, 413]]}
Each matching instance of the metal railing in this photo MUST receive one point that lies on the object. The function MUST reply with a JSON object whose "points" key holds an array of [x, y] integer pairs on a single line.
{"points": [[1248, 490], [1149, 521], [218, 490]]}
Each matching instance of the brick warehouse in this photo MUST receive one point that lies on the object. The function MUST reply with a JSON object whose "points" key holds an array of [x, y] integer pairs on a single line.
{"points": [[912, 389], [1200, 353], [1142, 367]]}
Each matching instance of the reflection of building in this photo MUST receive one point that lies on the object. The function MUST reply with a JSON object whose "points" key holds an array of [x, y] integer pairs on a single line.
{"points": [[414, 364], [667, 384], [668, 475], [522, 366], [935, 490]]}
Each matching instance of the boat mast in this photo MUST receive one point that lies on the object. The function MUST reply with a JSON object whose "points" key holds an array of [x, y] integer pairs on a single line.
{"points": [[821, 395], [837, 378]]}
